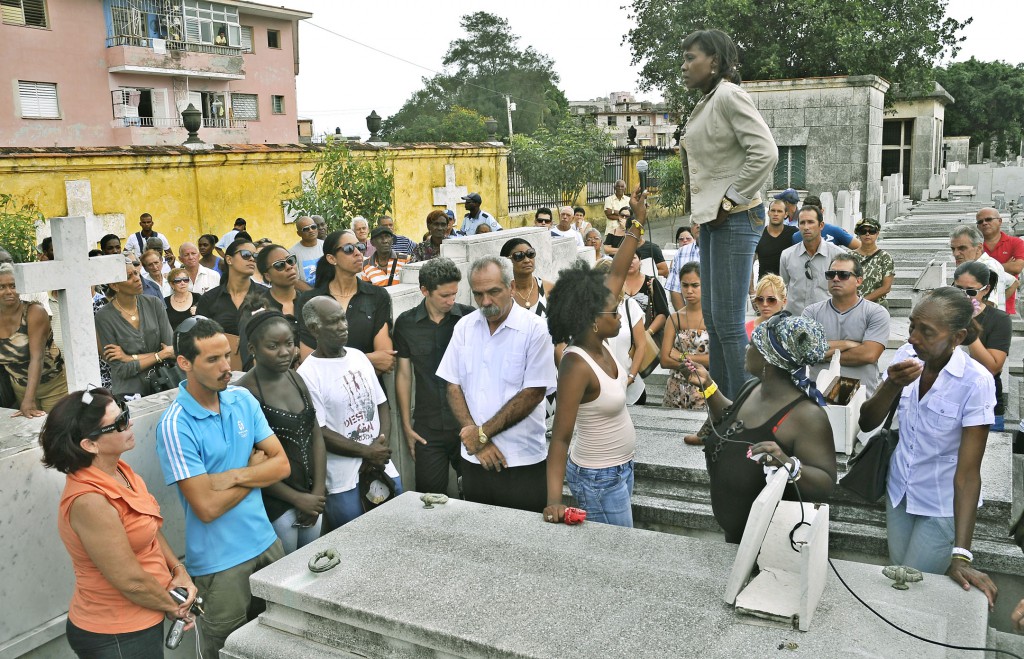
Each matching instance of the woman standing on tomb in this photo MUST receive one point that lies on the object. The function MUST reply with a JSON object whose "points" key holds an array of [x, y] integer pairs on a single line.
{"points": [[207, 245], [776, 417], [27, 351], [730, 153], [879, 268], [110, 525], [295, 504], [528, 290], [598, 465], [944, 405], [686, 338], [134, 334], [988, 336]]}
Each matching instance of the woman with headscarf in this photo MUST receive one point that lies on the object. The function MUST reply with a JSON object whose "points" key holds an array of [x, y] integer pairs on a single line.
{"points": [[776, 422]]}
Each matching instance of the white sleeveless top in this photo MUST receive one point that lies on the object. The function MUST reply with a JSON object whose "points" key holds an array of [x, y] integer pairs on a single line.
{"points": [[605, 436]]}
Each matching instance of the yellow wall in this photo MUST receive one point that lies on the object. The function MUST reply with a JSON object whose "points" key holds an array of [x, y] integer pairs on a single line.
{"points": [[192, 193]]}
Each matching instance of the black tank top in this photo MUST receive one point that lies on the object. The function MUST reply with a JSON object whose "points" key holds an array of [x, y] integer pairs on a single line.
{"points": [[736, 480], [296, 434]]}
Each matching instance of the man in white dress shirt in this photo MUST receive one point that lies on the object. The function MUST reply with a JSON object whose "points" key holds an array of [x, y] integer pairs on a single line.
{"points": [[203, 279]]}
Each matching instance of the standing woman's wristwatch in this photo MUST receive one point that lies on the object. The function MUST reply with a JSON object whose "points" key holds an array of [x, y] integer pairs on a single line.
{"points": [[727, 205]]}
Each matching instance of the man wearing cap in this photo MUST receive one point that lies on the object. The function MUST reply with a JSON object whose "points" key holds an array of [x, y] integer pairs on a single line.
{"points": [[475, 217], [451, 231], [384, 266], [229, 237], [791, 198], [776, 238], [309, 249], [400, 244], [1008, 250]]}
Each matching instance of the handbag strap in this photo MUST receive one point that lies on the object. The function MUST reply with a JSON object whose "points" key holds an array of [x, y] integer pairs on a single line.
{"points": [[892, 413], [629, 322]]}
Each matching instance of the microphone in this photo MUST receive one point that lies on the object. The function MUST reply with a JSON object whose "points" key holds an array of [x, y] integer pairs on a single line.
{"points": [[641, 168]]}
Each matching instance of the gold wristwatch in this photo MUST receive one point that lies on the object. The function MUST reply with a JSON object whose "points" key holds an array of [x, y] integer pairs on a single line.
{"points": [[727, 205], [482, 436]]}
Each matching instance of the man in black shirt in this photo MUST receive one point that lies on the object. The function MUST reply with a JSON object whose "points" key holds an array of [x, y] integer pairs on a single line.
{"points": [[421, 337], [776, 238]]}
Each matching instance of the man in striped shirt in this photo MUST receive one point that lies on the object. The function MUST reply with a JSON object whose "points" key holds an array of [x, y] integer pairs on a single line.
{"points": [[384, 266]]}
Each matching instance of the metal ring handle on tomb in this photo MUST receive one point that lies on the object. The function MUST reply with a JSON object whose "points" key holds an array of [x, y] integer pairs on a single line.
{"points": [[430, 499], [332, 560]]}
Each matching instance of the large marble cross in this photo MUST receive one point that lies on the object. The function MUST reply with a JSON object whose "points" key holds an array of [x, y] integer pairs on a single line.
{"points": [[71, 273], [450, 195], [79, 200]]}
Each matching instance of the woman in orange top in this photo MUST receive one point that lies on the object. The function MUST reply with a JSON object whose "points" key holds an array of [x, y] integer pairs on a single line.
{"points": [[110, 524]]}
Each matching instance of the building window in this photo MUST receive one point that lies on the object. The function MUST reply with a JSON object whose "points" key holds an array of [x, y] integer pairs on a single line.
{"points": [[38, 100], [791, 171], [212, 23], [612, 120], [629, 119], [31, 13], [897, 135], [246, 39], [273, 38], [245, 107], [277, 104], [643, 120]]}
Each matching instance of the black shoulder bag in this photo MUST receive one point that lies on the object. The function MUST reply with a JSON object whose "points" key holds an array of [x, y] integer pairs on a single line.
{"points": [[869, 470]]}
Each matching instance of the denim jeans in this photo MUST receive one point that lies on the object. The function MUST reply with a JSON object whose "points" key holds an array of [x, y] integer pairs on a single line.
{"points": [[726, 263], [343, 507], [143, 644], [604, 493], [292, 537], [918, 541]]}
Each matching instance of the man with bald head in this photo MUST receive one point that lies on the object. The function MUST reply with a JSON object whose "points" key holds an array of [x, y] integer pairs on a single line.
{"points": [[309, 249], [1008, 250], [613, 203], [565, 226], [203, 278]]}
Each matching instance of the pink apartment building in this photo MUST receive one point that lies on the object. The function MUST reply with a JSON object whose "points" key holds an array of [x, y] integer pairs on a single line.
{"points": [[119, 72]]}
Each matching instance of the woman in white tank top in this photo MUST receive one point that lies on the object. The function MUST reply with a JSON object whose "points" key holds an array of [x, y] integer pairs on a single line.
{"points": [[598, 466]]}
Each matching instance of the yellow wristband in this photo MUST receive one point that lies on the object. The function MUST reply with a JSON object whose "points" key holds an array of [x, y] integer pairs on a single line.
{"points": [[710, 391]]}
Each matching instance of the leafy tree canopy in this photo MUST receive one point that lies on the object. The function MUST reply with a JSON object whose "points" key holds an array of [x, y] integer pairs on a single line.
{"points": [[989, 104], [899, 40], [457, 125], [557, 163], [480, 68]]}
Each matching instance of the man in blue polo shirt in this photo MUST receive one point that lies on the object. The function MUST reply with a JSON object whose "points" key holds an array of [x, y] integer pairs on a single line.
{"points": [[215, 443]]}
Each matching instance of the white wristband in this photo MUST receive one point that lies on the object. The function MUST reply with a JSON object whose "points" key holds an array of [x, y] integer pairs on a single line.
{"points": [[966, 553], [794, 473]]}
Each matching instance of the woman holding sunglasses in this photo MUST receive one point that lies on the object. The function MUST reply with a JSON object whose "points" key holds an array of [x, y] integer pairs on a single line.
{"points": [[181, 303], [879, 268], [685, 338], [528, 291], [134, 334], [769, 299], [989, 334], [110, 525], [367, 307]]}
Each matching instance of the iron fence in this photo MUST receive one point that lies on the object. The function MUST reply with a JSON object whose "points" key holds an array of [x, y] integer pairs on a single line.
{"points": [[598, 190], [522, 198], [652, 153]]}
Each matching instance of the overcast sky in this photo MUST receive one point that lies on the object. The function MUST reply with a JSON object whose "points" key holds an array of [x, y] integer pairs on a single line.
{"points": [[340, 82]]}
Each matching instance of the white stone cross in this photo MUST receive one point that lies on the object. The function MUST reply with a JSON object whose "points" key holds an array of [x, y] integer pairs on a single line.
{"points": [[79, 199], [71, 273], [450, 195]]}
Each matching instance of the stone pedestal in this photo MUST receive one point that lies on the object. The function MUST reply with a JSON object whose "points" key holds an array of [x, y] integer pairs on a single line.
{"points": [[467, 580]]}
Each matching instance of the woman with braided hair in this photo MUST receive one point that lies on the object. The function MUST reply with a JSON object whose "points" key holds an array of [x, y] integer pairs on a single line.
{"points": [[776, 421], [583, 312]]}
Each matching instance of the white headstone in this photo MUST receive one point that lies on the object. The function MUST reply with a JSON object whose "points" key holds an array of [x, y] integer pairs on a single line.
{"points": [[71, 273], [450, 195], [828, 207], [844, 210]]}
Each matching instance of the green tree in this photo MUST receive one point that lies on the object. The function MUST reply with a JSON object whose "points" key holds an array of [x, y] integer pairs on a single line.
{"points": [[558, 163], [669, 174], [344, 186], [18, 227], [899, 40], [480, 69], [458, 125], [989, 104]]}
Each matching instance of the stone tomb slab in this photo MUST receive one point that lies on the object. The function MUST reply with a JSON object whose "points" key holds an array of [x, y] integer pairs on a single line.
{"points": [[467, 580]]}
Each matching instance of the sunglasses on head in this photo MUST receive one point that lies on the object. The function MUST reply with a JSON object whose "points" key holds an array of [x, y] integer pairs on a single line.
{"points": [[766, 299], [865, 231], [525, 254], [281, 264], [180, 280], [184, 328], [971, 292], [842, 275], [348, 249]]}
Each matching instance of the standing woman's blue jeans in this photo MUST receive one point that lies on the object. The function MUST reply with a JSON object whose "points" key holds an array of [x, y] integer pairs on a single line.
{"points": [[726, 262]]}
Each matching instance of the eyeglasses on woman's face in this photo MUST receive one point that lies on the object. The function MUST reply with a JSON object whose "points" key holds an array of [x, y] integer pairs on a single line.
{"points": [[524, 254], [348, 249], [766, 299], [245, 254], [970, 292], [120, 424], [180, 280], [281, 264], [866, 231]]}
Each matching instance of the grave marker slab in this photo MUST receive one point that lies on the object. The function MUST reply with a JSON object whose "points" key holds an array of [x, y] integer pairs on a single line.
{"points": [[450, 195]]}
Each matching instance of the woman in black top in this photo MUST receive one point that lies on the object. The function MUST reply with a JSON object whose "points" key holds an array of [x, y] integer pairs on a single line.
{"points": [[279, 268], [181, 303], [777, 415], [367, 307], [294, 505], [222, 303]]}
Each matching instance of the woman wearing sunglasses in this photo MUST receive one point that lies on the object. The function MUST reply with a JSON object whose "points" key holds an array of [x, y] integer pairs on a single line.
{"points": [[181, 303], [879, 268], [110, 525], [769, 299], [224, 303], [367, 307], [134, 334], [528, 291], [989, 334], [280, 269]]}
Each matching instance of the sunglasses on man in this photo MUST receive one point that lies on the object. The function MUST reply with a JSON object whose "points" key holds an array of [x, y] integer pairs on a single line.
{"points": [[841, 275]]}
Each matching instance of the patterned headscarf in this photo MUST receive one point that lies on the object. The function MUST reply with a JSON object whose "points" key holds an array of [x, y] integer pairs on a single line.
{"points": [[793, 343]]}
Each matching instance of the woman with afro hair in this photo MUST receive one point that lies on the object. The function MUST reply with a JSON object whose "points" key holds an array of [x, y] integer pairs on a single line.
{"points": [[583, 313]]}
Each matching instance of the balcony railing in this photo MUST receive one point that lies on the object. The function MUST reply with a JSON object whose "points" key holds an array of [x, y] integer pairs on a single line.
{"points": [[147, 42], [175, 122], [224, 123]]}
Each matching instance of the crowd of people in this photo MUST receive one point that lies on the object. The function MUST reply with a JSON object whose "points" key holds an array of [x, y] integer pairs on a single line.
{"points": [[302, 443]]}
